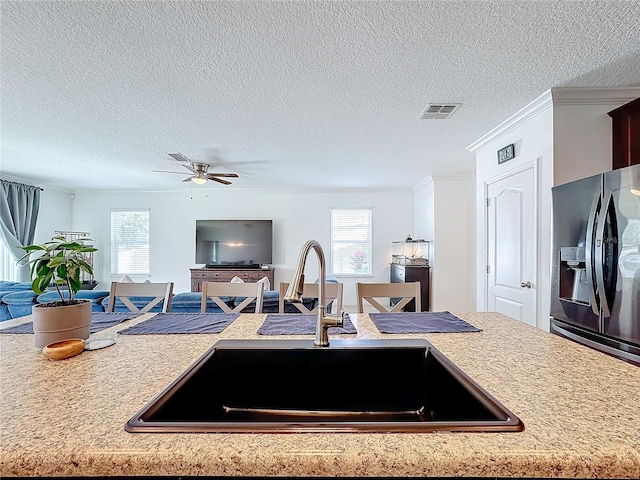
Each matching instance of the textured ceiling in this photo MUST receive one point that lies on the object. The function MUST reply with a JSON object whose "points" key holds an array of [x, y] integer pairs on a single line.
{"points": [[287, 94]]}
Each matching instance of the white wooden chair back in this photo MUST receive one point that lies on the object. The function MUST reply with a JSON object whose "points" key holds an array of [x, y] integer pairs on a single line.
{"points": [[332, 293], [158, 292], [373, 291], [216, 290]]}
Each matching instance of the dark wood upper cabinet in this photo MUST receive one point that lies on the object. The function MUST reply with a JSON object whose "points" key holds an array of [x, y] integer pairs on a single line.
{"points": [[626, 134]]}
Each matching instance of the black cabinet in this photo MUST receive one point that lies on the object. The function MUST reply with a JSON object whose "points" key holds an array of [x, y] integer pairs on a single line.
{"points": [[412, 273]]}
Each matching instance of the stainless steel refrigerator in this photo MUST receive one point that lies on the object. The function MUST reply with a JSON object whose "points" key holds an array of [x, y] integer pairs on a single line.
{"points": [[595, 287]]}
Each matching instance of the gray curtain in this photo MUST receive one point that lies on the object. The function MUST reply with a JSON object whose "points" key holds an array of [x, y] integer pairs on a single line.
{"points": [[19, 207]]}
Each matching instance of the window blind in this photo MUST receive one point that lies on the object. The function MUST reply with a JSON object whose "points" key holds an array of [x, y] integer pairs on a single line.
{"points": [[351, 241], [130, 242]]}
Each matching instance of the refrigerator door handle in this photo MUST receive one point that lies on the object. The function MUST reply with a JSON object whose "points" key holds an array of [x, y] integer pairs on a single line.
{"points": [[600, 245], [589, 253]]}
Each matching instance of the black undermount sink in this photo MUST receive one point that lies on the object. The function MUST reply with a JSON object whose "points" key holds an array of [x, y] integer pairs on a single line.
{"points": [[281, 386]]}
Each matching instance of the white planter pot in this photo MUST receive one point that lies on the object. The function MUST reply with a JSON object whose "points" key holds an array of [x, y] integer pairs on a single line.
{"points": [[53, 323]]}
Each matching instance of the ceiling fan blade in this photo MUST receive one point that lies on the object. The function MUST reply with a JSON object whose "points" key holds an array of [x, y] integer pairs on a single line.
{"points": [[188, 179], [232, 175], [179, 157], [167, 171], [219, 180], [190, 168]]}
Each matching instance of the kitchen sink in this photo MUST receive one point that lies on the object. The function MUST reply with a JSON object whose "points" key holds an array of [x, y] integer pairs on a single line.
{"points": [[279, 386]]}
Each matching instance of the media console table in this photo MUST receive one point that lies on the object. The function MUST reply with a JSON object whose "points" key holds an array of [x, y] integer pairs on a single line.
{"points": [[248, 275]]}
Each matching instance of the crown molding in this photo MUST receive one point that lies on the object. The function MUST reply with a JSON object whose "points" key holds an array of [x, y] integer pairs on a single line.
{"points": [[594, 96], [28, 181], [206, 191], [431, 179], [558, 96], [425, 182], [537, 106]]}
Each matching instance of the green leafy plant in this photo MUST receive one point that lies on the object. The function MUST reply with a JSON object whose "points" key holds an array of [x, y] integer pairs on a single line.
{"points": [[61, 262]]}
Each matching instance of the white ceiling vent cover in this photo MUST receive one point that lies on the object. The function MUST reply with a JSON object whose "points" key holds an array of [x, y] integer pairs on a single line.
{"points": [[439, 111]]}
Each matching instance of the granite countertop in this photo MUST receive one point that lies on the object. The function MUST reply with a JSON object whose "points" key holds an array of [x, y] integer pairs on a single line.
{"points": [[581, 411]]}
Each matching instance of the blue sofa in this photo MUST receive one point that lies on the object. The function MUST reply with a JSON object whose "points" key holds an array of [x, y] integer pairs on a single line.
{"points": [[17, 300], [139, 302], [96, 297], [20, 303], [6, 285], [6, 288], [190, 302]]}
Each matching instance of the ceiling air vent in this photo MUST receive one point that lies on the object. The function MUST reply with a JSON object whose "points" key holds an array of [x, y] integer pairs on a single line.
{"points": [[439, 111]]}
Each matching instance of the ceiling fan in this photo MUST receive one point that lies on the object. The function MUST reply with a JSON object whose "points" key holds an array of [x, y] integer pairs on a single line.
{"points": [[199, 171]]}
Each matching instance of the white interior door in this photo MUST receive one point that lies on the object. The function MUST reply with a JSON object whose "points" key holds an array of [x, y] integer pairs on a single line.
{"points": [[511, 246]]}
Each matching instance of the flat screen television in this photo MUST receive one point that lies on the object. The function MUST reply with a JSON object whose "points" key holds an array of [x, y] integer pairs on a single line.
{"points": [[234, 243]]}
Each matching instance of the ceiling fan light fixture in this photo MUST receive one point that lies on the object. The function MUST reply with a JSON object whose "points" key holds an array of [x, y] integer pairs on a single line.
{"points": [[199, 171]]}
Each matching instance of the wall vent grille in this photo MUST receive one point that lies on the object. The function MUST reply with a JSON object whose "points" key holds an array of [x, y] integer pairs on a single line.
{"points": [[439, 111]]}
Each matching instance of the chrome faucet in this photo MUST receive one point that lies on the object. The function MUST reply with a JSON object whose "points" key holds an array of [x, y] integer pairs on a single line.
{"points": [[294, 293]]}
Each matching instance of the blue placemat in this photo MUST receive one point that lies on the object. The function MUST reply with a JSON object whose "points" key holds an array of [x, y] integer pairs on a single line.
{"points": [[299, 324], [99, 321], [182, 323], [420, 322]]}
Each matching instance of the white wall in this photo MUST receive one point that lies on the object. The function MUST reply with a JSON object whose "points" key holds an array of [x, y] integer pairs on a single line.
{"points": [[533, 140], [55, 213], [566, 132], [582, 143], [444, 213], [424, 210], [298, 216], [454, 238]]}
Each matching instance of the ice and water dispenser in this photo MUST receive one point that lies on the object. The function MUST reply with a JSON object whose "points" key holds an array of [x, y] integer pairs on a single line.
{"points": [[574, 284], [573, 278]]}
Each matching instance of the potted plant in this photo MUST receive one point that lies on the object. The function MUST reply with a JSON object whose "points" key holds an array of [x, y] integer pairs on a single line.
{"points": [[60, 263]]}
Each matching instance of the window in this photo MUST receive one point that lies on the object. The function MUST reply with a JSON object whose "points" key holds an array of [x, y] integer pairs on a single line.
{"points": [[8, 264], [351, 241], [130, 242]]}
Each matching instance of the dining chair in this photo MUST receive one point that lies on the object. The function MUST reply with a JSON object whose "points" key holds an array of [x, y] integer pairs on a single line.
{"points": [[147, 295], [221, 292], [332, 293], [404, 292]]}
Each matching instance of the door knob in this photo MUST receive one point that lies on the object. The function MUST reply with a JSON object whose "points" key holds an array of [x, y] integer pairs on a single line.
{"points": [[526, 285]]}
